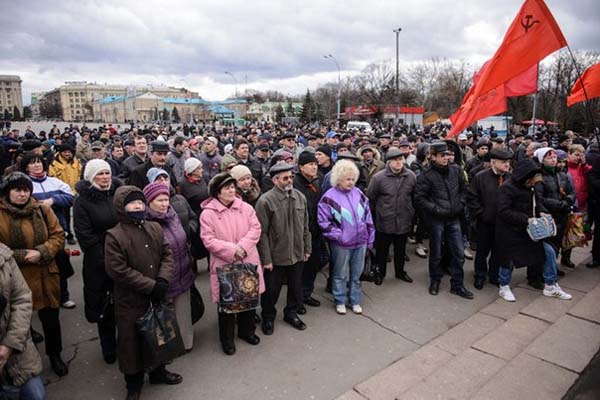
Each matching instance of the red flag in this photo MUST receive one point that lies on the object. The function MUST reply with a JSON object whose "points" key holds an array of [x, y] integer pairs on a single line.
{"points": [[493, 103], [472, 109], [591, 81], [533, 35]]}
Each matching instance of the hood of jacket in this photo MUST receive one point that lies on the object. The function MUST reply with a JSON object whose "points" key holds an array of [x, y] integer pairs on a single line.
{"points": [[524, 170], [119, 201]]}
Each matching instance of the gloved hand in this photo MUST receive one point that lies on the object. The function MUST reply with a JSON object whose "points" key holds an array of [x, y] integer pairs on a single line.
{"points": [[159, 292]]}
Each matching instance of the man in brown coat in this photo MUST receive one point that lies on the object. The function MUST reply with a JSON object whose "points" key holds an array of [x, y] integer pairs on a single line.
{"points": [[140, 262]]}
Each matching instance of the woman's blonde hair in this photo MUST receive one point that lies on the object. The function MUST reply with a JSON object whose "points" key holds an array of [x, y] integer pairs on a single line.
{"points": [[341, 170]]}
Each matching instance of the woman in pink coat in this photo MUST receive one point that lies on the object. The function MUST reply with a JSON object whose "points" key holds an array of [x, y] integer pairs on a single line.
{"points": [[230, 232]]}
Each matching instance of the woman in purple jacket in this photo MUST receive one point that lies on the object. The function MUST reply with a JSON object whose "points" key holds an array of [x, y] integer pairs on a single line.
{"points": [[160, 210], [345, 218]]}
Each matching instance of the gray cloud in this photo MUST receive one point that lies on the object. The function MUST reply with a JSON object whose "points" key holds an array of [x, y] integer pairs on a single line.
{"points": [[270, 42]]}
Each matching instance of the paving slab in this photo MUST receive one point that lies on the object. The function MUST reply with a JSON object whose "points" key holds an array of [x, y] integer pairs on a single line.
{"points": [[512, 337], [571, 343], [403, 374], [588, 307], [506, 309], [550, 309], [458, 379], [462, 336], [527, 377], [581, 278], [350, 395]]}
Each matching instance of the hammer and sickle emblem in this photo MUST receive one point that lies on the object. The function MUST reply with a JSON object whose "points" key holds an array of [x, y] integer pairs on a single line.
{"points": [[529, 24]]}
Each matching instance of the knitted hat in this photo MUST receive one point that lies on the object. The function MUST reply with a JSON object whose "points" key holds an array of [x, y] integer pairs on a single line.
{"points": [[153, 190], [217, 182], [325, 150], [15, 180], [306, 157], [227, 160], [191, 164], [540, 154], [240, 171], [154, 173], [93, 168]]}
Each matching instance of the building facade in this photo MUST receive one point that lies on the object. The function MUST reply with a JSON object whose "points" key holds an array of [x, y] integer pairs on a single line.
{"points": [[10, 94], [76, 99], [267, 111]]}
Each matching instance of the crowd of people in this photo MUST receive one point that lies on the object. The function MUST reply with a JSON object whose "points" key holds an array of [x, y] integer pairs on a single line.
{"points": [[146, 203]]}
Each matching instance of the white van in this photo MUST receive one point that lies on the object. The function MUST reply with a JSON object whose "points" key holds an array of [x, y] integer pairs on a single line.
{"points": [[359, 125]]}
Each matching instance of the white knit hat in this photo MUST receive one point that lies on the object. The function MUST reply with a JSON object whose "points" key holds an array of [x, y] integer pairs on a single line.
{"points": [[541, 153], [191, 164], [240, 171], [93, 168]]}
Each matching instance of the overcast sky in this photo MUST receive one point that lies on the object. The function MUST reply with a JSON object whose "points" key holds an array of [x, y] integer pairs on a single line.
{"points": [[270, 44]]}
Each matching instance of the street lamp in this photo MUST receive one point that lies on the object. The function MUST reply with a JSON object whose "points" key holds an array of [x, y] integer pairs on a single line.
{"points": [[397, 32], [339, 93], [234, 80]]}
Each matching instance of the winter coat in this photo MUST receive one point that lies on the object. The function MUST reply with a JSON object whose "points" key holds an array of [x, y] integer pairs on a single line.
{"points": [[138, 175], [558, 197], [345, 218], [253, 164], [24, 362], [194, 192], [285, 236], [136, 254], [68, 172], [514, 208], [482, 196], [579, 174], [182, 278], [93, 215], [50, 187], [128, 165], [211, 165], [222, 229], [34, 227], [251, 195], [440, 192], [370, 169], [312, 193], [187, 216], [176, 161], [391, 198]]}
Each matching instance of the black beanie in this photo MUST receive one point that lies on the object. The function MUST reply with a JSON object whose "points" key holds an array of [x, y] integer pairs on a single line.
{"points": [[325, 150], [15, 180], [306, 157]]}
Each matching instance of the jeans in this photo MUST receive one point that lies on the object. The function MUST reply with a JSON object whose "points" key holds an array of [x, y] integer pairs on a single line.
{"points": [[341, 259], [449, 234], [505, 271], [33, 389]]}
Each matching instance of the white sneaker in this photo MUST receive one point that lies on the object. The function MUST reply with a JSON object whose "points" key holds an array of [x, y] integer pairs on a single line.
{"points": [[69, 304], [506, 293], [468, 254], [340, 309], [556, 291], [421, 251], [357, 309]]}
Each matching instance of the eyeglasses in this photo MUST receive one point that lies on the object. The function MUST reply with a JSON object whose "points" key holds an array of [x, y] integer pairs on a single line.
{"points": [[286, 178]]}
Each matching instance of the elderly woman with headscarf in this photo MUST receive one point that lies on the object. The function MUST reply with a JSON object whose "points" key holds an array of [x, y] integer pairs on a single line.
{"points": [[230, 231], [246, 186], [140, 262], [93, 215], [32, 231], [161, 211]]}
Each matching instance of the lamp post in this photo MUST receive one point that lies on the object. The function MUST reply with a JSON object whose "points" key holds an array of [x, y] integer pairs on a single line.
{"points": [[339, 93], [397, 32], [234, 80]]}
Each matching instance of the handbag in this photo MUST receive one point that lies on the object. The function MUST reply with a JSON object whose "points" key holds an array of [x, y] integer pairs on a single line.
{"points": [[372, 272], [574, 233], [542, 227], [161, 339], [238, 287], [197, 304]]}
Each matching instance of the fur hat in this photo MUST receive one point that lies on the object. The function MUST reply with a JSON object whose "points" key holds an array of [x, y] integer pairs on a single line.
{"points": [[217, 182], [15, 180]]}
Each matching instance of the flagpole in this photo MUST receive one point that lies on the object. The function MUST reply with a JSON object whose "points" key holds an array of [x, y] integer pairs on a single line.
{"points": [[587, 100], [533, 121]]}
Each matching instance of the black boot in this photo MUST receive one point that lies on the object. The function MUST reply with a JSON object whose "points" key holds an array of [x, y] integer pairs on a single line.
{"points": [[133, 395], [58, 365], [36, 336], [161, 375]]}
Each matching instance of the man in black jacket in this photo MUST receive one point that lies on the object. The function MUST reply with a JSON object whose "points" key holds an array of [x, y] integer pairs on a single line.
{"points": [[440, 193], [481, 200], [307, 183], [158, 158]]}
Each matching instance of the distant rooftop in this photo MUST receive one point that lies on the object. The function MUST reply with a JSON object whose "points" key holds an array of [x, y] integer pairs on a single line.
{"points": [[10, 78]]}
